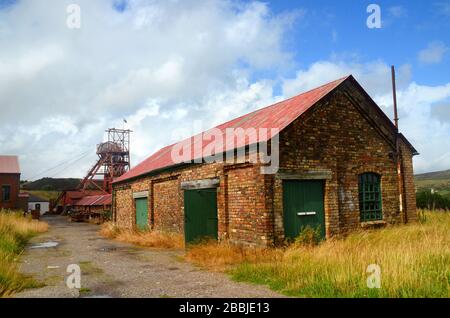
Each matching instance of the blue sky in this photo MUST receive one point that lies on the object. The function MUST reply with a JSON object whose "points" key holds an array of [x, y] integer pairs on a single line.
{"points": [[407, 28], [164, 65]]}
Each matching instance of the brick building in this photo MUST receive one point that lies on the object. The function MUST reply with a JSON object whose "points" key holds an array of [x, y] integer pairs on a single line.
{"points": [[338, 171], [9, 182]]}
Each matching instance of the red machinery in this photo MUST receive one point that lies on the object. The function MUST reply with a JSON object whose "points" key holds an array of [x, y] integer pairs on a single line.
{"points": [[113, 161]]}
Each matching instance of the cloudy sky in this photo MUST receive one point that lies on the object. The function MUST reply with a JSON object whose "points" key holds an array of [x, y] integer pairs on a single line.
{"points": [[172, 68]]}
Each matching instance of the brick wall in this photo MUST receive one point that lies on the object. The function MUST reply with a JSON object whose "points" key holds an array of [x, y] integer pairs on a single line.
{"points": [[335, 138], [338, 138], [167, 212], [408, 184], [249, 213], [12, 180]]}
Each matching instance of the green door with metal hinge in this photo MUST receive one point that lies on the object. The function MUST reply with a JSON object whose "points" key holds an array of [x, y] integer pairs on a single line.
{"points": [[141, 213], [200, 214], [303, 206]]}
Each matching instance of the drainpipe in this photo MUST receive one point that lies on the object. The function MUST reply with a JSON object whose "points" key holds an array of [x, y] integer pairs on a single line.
{"points": [[398, 157]]}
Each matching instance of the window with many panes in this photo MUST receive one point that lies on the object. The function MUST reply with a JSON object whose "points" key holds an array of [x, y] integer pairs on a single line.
{"points": [[370, 197], [6, 193]]}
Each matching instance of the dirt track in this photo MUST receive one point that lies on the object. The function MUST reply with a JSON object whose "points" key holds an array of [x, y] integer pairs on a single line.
{"points": [[113, 269]]}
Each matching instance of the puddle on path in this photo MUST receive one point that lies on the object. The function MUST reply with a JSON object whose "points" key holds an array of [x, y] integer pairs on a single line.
{"points": [[45, 245]]}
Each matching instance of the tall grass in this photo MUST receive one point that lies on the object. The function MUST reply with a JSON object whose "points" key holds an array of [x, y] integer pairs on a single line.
{"points": [[414, 261], [150, 238], [222, 256], [15, 231]]}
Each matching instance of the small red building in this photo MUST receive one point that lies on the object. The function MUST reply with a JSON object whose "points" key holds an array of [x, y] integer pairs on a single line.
{"points": [[9, 182]]}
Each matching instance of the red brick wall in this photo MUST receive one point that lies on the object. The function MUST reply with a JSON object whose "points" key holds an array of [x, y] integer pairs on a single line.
{"points": [[249, 213], [335, 138], [338, 138], [12, 180], [409, 195], [166, 206]]}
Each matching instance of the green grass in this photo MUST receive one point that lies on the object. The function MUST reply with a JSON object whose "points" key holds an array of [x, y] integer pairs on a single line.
{"points": [[414, 261], [438, 181], [15, 231], [48, 195], [87, 268], [84, 290]]}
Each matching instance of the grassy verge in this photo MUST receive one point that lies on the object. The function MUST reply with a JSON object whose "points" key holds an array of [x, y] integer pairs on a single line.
{"points": [[149, 238], [414, 261], [15, 231], [49, 195]]}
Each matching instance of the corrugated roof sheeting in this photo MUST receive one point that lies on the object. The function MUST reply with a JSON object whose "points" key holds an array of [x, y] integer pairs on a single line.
{"points": [[9, 164], [95, 200], [278, 116]]}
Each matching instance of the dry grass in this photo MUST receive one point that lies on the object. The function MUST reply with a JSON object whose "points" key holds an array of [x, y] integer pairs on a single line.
{"points": [[414, 261], [155, 239], [19, 224], [15, 231], [222, 256]]}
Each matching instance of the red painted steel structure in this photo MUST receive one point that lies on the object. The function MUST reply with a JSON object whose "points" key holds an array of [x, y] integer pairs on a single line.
{"points": [[113, 161]]}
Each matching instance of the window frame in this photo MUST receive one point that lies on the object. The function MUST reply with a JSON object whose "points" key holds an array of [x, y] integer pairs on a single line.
{"points": [[4, 186], [370, 197]]}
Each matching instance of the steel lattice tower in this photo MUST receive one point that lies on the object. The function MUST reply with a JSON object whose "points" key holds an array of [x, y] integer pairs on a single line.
{"points": [[113, 160]]}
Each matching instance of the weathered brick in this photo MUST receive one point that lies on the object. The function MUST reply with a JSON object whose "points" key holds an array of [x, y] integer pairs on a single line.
{"points": [[336, 137]]}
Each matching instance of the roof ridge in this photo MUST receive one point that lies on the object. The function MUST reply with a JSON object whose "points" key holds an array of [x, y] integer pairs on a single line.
{"points": [[286, 100], [302, 105], [256, 110]]}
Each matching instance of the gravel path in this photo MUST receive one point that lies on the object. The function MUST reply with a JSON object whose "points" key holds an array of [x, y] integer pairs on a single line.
{"points": [[114, 269]]}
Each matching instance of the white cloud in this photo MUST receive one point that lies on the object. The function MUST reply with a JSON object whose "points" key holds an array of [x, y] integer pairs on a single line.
{"points": [[374, 76], [334, 36], [443, 8], [397, 11], [163, 65], [160, 64], [433, 53], [428, 133]]}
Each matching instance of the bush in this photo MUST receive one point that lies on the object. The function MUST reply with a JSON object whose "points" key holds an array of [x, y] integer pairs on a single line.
{"points": [[432, 201], [308, 236]]}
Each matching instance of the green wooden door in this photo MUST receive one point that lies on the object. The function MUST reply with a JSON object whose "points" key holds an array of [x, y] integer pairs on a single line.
{"points": [[303, 206], [141, 213], [200, 214]]}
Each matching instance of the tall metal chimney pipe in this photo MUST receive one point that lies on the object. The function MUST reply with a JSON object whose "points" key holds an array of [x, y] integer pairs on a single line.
{"points": [[398, 151]]}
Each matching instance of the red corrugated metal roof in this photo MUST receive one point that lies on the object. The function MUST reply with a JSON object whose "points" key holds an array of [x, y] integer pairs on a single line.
{"points": [[95, 200], [279, 116], [9, 164]]}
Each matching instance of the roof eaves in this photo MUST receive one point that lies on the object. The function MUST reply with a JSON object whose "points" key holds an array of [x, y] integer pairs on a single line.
{"points": [[154, 172], [241, 119]]}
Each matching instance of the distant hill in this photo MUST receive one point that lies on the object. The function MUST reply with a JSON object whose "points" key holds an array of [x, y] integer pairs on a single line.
{"points": [[52, 184], [437, 175], [48, 195], [439, 181]]}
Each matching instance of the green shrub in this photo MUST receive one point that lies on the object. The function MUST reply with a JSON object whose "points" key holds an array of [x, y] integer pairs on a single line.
{"points": [[308, 236], [432, 201]]}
